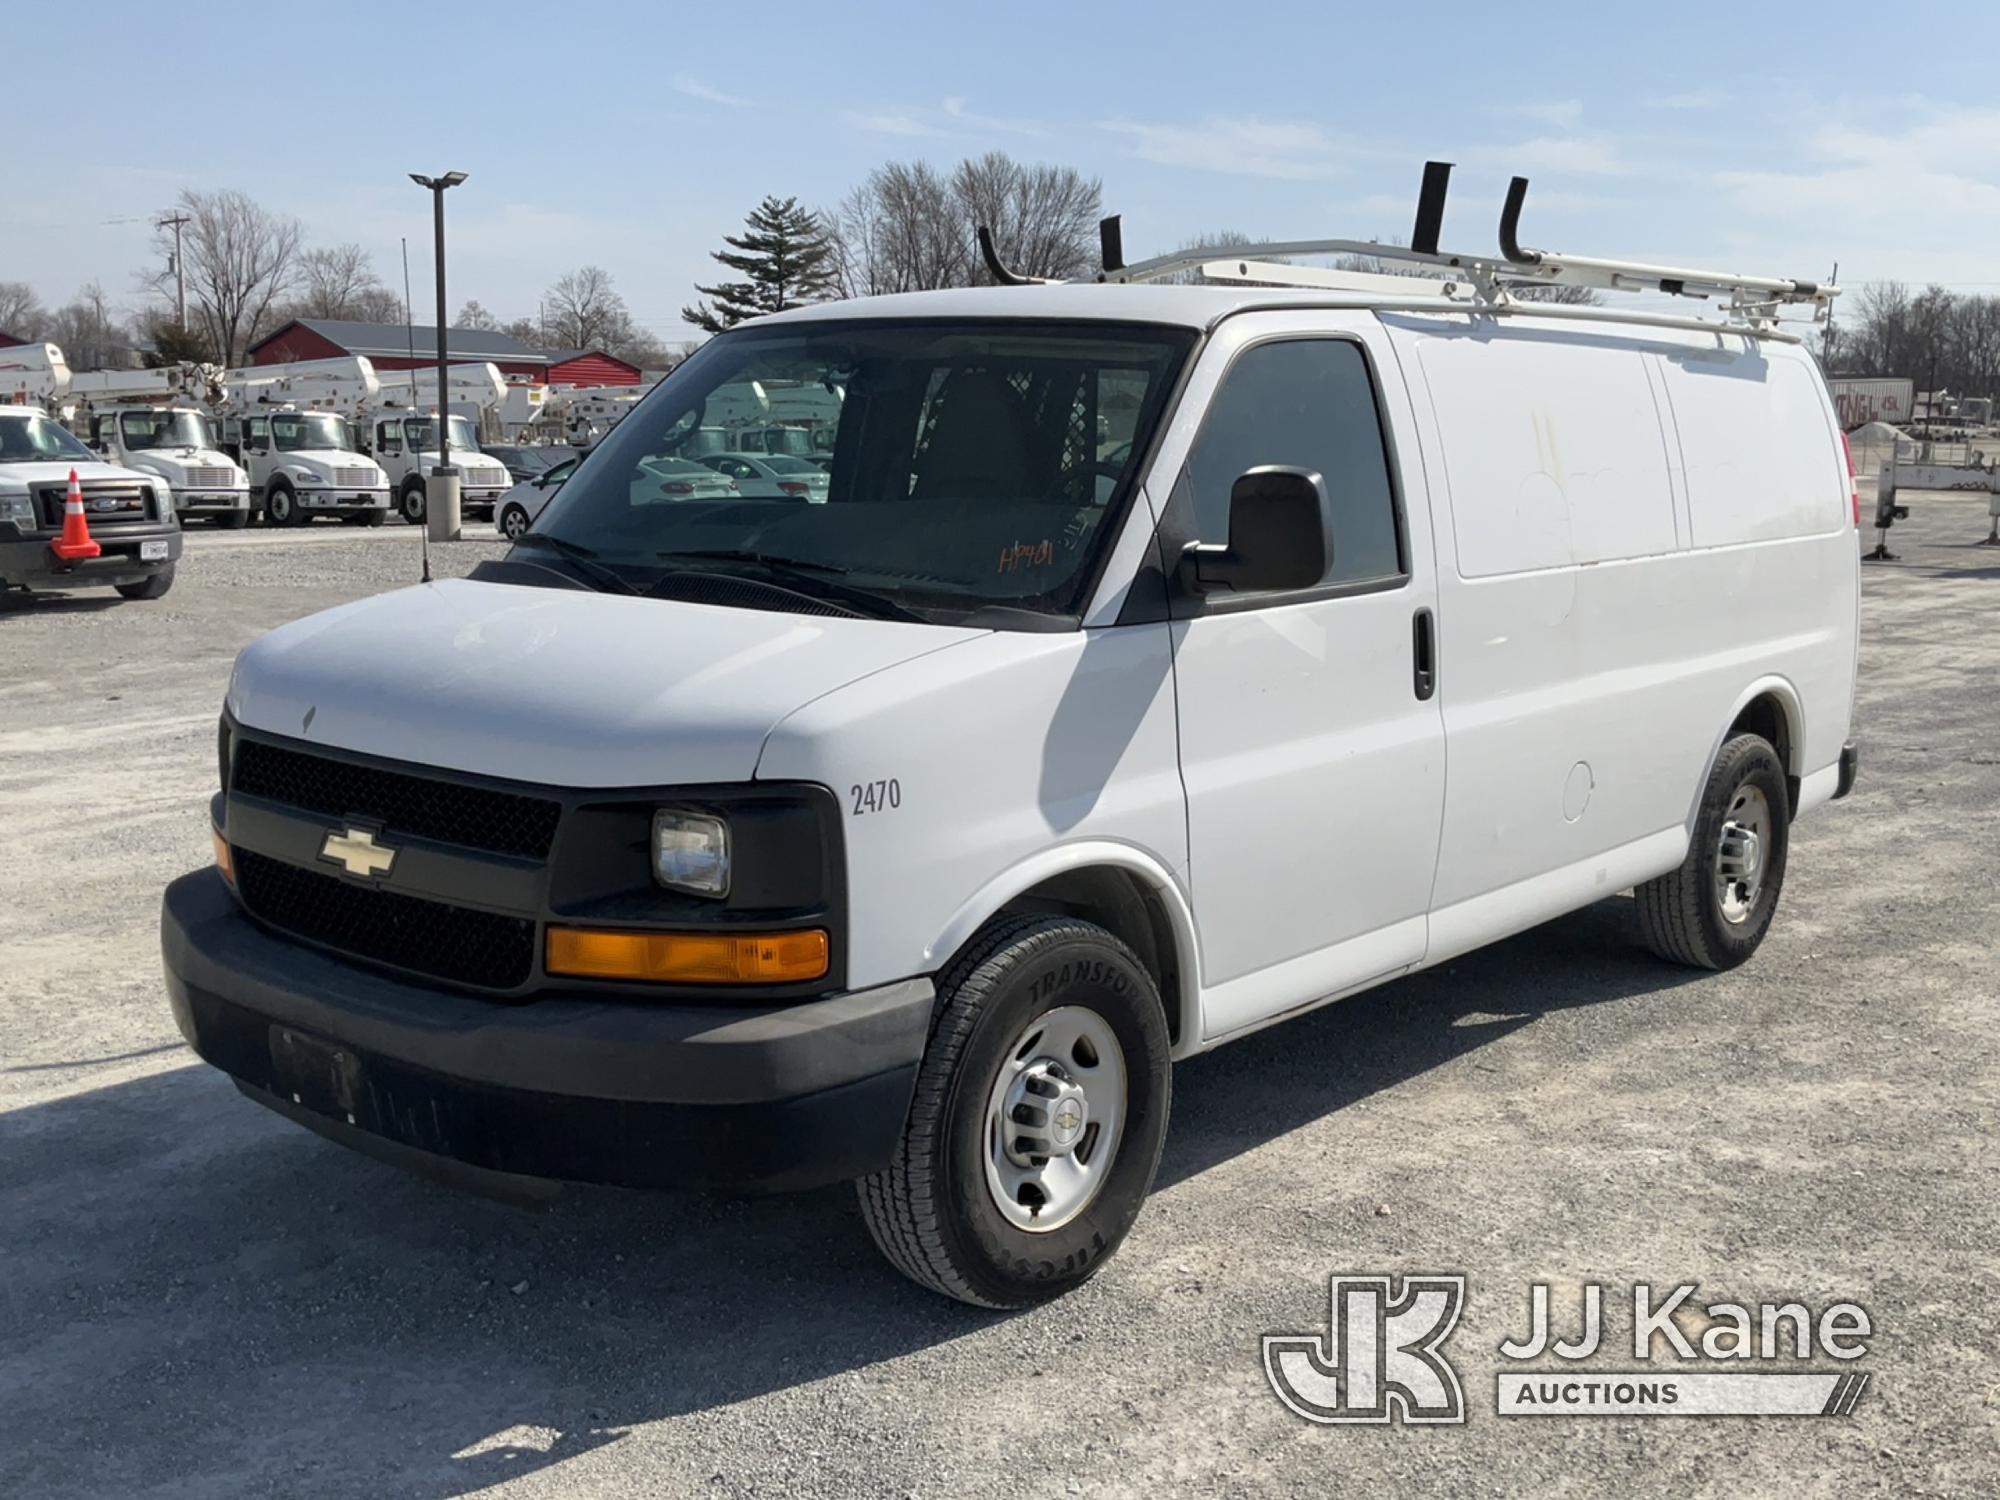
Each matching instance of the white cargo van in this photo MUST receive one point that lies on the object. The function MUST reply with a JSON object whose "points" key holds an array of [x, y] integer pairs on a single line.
{"points": [[1163, 662]]}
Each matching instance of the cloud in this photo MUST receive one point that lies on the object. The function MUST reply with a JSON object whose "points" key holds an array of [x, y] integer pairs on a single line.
{"points": [[1695, 99], [708, 93], [890, 122], [1294, 150], [1556, 155], [955, 108], [1931, 176], [1557, 114]]}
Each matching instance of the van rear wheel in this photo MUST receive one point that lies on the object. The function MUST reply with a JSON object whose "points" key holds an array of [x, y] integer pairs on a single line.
{"points": [[1038, 1118], [1713, 912]]}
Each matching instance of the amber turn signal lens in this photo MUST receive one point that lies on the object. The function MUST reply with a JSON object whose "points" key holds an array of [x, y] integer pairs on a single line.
{"points": [[222, 860], [688, 958]]}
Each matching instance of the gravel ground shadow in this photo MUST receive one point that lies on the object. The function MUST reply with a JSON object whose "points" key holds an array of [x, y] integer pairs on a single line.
{"points": [[199, 1290]]}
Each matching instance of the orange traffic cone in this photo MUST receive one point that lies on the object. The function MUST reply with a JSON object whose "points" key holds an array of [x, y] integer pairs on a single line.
{"points": [[74, 545]]}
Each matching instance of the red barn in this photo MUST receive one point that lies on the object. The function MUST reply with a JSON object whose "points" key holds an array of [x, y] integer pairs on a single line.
{"points": [[591, 367], [8, 341]]}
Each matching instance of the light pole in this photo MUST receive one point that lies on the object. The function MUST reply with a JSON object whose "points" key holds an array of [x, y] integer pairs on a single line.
{"points": [[441, 490]]}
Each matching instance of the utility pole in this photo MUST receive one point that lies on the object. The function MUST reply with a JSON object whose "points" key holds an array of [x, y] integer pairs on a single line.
{"points": [[177, 222], [1826, 339]]}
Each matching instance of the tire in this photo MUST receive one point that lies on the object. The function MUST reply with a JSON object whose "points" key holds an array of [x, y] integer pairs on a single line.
{"points": [[371, 517], [233, 520], [513, 521], [1687, 916], [935, 1211], [411, 503], [148, 588], [282, 508]]}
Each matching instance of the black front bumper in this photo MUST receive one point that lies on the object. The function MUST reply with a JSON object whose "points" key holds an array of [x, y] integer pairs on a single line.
{"points": [[582, 1090], [27, 562], [1849, 764]]}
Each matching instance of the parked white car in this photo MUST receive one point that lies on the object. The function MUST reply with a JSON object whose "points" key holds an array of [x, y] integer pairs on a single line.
{"points": [[771, 476], [516, 510], [911, 837]]}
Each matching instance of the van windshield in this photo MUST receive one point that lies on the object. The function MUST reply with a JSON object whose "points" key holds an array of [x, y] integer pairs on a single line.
{"points": [[971, 465]]}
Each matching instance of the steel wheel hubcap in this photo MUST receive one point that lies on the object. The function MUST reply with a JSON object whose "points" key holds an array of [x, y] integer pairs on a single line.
{"points": [[1054, 1118], [1740, 854]]}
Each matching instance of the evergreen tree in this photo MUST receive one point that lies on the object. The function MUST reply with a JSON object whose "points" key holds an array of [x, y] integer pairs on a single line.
{"points": [[784, 258]]}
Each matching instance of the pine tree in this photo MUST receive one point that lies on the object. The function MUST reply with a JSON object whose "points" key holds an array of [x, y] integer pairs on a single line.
{"points": [[785, 259]]}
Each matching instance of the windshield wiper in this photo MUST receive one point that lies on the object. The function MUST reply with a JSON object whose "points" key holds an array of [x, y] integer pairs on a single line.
{"points": [[579, 557], [813, 579]]}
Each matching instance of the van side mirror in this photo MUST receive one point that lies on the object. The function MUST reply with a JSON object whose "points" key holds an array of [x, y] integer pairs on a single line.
{"points": [[1277, 535]]}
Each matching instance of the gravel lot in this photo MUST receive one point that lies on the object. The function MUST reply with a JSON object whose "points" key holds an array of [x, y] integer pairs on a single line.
{"points": [[199, 1299]]}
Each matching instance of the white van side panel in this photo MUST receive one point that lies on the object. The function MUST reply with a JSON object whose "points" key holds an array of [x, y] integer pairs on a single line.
{"points": [[1747, 423], [1589, 667], [1561, 439], [1019, 746]]}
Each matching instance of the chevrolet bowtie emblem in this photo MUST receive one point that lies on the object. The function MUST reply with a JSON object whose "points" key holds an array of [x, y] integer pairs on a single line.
{"points": [[355, 850]]}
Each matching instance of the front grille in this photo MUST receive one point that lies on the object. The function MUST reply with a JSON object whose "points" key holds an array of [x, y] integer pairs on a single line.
{"points": [[210, 479], [360, 479], [426, 937], [104, 502], [476, 817]]}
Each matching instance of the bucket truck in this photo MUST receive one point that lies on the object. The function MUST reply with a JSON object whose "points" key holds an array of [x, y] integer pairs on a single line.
{"points": [[155, 421], [33, 375], [400, 431], [291, 426]]}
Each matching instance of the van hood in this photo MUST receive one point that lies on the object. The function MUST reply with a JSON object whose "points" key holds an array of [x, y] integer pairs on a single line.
{"points": [[558, 687]]}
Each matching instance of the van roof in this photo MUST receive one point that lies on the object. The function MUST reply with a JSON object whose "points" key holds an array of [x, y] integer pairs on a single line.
{"points": [[1178, 306], [1202, 307]]}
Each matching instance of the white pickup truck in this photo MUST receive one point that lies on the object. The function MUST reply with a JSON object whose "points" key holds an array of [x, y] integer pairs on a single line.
{"points": [[130, 514]]}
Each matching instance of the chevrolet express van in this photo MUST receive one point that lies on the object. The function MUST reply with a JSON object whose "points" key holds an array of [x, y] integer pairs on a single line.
{"points": [[1163, 661]]}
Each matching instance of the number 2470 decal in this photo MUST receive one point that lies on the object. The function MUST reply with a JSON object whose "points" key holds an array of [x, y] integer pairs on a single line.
{"points": [[876, 796]]}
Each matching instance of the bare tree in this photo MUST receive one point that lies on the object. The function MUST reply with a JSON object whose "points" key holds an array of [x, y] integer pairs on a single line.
{"points": [[910, 227], [472, 315], [1043, 218], [89, 332], [21, 311], [900, 231], [241, 260], [333, 282], [584, 311], [527, 331]]}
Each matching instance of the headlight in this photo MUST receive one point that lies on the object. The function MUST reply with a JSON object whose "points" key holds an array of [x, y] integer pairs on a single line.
{"points": [[691, 852], [304, 475], [17, 508]]}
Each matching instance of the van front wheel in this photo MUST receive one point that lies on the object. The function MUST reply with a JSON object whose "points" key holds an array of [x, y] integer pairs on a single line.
{"points": [[1037, 1121], [1713, 912]]}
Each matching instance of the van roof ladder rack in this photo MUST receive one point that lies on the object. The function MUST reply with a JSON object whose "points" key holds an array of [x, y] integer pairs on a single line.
{"points": [[1750, 303]]}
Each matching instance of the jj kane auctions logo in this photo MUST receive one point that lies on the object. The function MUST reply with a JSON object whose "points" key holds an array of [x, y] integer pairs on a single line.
{"points": [[1381, 1358]]}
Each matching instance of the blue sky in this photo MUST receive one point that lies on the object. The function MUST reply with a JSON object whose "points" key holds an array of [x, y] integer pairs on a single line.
{"points": [[633, 136]]}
